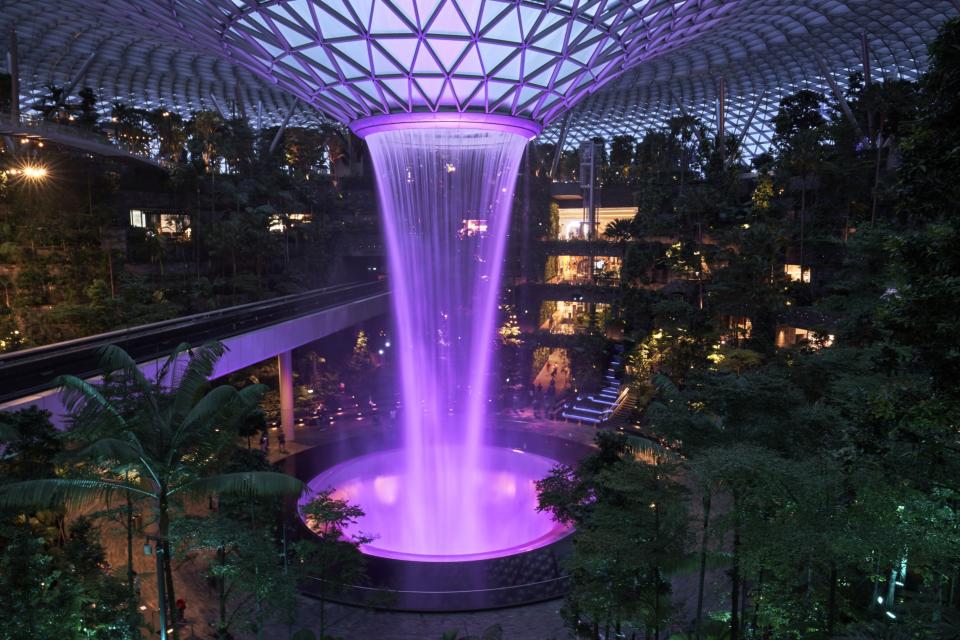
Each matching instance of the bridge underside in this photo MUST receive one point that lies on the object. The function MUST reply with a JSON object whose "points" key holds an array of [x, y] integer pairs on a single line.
{"points": [[247, 349]]}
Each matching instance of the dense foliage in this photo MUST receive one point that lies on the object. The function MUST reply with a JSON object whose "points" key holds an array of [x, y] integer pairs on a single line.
{"points": [[816, 475]]}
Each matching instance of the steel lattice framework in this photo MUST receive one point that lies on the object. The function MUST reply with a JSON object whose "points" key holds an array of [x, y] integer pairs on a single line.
{"points": [[616, 66]]}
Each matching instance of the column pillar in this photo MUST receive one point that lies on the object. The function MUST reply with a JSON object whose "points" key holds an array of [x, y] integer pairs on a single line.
{"points": [[285, 368], [722, 120], [13, 67]]}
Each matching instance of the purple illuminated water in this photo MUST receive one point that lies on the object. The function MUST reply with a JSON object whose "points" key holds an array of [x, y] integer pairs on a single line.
{"points": [[504, 493], [445, 195]]}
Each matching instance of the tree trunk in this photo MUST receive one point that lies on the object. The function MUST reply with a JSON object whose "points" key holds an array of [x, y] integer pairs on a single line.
{"points": [[131, 581], [323, 612], [222, 594], [832, 599], [656, 573], [735, 575], [703, 564], [758, 594], [803, 216], [164, 529], [876, 184]]}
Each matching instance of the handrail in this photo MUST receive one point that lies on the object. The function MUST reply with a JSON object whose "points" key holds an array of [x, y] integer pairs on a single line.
{"points": [[33, 370], [127, 332], [61, 133]]}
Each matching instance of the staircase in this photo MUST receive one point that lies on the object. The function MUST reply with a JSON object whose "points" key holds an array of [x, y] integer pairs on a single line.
{"points": [[604, 405]]}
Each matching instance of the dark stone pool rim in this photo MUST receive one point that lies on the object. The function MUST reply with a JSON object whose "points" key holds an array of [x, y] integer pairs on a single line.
{"points": [[406, 585]]}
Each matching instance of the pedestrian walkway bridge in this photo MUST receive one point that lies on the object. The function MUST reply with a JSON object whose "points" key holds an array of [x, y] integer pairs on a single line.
{"points": [[251, 332]]}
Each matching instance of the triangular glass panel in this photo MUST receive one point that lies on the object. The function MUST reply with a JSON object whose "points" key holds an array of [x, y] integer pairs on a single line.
{"points": [[402, 50], [332, 26], [448, 51], [552, 42], [447, 21], [363, 9], [299, 11], [271, 49], [317, 54], [533, 60], [496, 90], [405, 8], [336, 7], [382, 64], [492, 12], [289, 71], [349, 70], [527, 94], [464, 88], [293, 37], [417, 99], [568, 68], [470, 9], [392, 104], [470, 65], [507, 29], [398, 86], [506, 100], [259, 20], [425, 11], [550, 103], [511, 70], [345, 94], [542, 79], [448, 98], [385, 21], [576, 30], [528, 18], [550, 18], [583, 55], [494, 54], [430, 88], [368, 89], [356, 51], [425, 62]]}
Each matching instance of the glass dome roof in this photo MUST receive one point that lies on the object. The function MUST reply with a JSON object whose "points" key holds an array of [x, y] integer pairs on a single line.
{"points": [[616, 66]]}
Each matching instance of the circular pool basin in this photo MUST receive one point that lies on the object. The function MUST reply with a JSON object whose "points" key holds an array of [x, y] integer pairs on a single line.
{"points": [[508, 555], [491, 514]]}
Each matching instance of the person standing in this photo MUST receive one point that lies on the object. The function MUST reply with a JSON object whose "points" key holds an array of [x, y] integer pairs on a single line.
{"points": [[265, 443], [181, 609], [282, 441]]}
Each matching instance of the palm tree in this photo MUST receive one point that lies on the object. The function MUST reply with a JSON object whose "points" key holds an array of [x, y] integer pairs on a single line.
{"points": [[620, 229], [154, 440]]}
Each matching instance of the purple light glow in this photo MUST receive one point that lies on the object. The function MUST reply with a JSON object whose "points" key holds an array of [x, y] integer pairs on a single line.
{"points": [[506, 500], [445, 184]]}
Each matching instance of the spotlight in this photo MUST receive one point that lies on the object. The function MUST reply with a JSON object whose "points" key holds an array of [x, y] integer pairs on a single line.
{"points": [[34, 172]]}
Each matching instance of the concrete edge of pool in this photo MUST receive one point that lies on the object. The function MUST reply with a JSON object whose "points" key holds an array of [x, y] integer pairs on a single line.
{"points": [[429, 586]]}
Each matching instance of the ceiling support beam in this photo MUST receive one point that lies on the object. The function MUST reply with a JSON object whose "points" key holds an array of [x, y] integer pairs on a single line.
{"points": [[686, 114], [749, 122], [13, 67], [867, 79], [722, 120], [283, 127], [838, 94], [81, 72], [558, 150], [216, 103]]}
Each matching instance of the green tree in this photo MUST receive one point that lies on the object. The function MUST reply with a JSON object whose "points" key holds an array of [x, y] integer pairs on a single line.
{"points": [[171, 434], [630, 520], [330, 555]]}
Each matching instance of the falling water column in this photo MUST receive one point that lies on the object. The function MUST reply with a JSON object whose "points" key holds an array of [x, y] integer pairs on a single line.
{"points": [[445, 185]]}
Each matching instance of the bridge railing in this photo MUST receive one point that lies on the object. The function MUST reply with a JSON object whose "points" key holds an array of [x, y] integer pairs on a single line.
{"points": [[74, 134], [33, 370]]}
